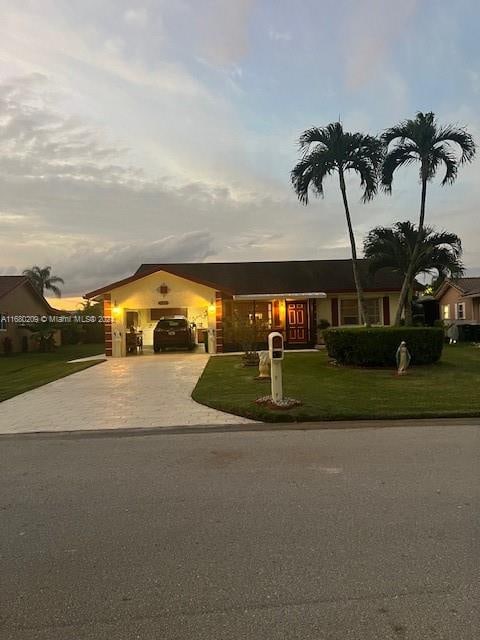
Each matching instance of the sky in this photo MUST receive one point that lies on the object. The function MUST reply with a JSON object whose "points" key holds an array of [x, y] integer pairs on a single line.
{"points": [[165, 131]]}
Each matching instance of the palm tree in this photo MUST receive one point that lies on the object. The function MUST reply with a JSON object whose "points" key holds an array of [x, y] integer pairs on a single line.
{"points": [[423, 140], [42, 280], [333, 150], [394, 248]]}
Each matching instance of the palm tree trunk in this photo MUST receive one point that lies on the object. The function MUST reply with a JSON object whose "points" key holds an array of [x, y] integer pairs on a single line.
{"points": [[362, 315], [408, 307], [410, 275]]}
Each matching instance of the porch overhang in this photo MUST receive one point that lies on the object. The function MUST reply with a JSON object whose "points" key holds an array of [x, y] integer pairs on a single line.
{"points": [[276, 296]]}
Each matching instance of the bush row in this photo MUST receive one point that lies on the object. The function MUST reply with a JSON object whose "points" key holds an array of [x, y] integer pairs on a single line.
{"points": [[377, 346]]}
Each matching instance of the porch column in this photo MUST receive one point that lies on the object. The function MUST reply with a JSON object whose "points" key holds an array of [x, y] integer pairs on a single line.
{"points": [[107, 312], [219, 321]]}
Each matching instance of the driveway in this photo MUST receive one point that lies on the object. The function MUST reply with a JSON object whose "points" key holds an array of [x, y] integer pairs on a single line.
{"points": [[143, 391]]}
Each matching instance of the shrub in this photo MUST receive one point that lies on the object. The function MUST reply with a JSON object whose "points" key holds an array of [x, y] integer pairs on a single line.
{"points": [[377, 346]]}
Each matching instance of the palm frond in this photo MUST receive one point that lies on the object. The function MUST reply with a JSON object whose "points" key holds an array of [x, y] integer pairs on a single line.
{"points": [[403, 154], [459, 137]]}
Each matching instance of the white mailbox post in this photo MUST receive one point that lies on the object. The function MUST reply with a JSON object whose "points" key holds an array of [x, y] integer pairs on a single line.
{"points": [[275, 350]]}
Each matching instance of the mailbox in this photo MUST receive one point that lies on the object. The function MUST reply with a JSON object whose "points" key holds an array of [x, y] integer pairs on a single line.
{"points": [[275, 346]]}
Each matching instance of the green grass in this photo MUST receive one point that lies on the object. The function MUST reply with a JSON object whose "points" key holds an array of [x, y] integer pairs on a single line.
{"points": [[22, 372], [449, 388]]}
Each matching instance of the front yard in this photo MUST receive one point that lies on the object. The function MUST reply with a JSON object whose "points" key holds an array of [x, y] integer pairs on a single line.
{"points": [[450, 388], [22, 372]]}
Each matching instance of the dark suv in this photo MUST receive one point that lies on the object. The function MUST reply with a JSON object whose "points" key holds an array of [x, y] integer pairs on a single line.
{"points": [[173, 332]]}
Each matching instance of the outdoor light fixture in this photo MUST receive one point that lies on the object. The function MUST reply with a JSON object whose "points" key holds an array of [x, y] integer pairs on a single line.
{"points": [[116, 310]]}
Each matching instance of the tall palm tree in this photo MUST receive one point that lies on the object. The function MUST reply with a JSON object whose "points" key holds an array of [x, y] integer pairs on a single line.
{"points": [[42, 280], [423, 140], [331, 150], [394, 247]]}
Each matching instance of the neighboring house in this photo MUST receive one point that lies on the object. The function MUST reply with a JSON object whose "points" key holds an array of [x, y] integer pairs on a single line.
{"points": [[291, 297], [459, 301], [19, 301]]}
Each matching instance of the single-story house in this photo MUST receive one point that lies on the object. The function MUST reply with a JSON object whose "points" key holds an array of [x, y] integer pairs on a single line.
{"points": [[291, 297], [20, 304], [459, 300]]}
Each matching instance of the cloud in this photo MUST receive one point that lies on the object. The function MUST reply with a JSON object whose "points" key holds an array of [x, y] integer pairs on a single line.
{"points": [[90, 266], [279, 36], [136, 17]]}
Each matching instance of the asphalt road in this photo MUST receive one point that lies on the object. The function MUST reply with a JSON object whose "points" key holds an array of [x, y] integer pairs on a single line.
{"points": [[291, 535]]}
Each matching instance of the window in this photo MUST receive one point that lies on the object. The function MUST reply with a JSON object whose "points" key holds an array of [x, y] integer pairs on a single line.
{"points": [[445, 312], [349, 311], [373, 310], [3, 321], [461, 311]]}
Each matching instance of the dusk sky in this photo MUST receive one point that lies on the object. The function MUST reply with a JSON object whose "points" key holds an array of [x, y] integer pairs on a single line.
{"points": [[166, 130]]}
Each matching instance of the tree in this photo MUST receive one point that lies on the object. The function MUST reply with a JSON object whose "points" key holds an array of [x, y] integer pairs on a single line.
{"points": [[422, 140], [42, 280], [393, 247], [333, 150]]}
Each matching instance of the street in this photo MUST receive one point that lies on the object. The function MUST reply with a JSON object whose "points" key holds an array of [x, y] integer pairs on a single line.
{"points": [[294, 535]]}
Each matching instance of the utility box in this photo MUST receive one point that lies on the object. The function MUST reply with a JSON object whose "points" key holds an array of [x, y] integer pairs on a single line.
{"points": [[275, 345]]}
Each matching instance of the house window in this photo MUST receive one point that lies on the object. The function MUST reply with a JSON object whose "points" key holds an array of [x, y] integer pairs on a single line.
{"points": [[445, 312], [460, 311], [3, 321], [349, 311], [372, 306]]}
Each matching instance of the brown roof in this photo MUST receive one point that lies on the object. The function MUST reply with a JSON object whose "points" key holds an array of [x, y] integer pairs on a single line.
{"points": [[297, 276], [467, 286], [9, 283]]}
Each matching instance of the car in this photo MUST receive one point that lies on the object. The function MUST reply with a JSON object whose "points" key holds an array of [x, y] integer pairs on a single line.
{"points": [[173, 332]]}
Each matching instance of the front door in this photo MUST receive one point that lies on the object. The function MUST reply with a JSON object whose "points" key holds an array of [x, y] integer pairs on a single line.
{"points": [[297, 322]]}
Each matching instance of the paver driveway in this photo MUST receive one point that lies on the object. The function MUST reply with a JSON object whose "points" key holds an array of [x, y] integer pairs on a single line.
{"points": [[143, 391]]}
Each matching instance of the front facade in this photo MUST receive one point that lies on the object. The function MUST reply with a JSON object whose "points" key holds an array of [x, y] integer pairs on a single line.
{"points": [[240, 303], [459, 301], [20, 303]]}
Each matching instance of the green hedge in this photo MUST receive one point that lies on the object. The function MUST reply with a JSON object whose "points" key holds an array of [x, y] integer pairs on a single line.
{"points": [[377, 346]]}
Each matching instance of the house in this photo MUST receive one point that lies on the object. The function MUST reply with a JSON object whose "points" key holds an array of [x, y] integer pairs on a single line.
{"points": [[291, 297], [20, 304], [459, 301]]}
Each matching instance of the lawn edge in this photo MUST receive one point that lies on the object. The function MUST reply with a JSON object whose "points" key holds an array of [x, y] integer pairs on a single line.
{"points": [[64, 375]]}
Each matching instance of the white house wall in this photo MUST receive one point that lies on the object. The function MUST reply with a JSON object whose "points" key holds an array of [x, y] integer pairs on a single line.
{"points": [[143, 294]]}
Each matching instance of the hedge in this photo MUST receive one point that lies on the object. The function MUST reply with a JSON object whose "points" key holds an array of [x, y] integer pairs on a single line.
{"points": [[377, 346]]}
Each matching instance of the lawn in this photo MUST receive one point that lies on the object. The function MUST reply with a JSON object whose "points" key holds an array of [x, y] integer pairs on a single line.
{"points": [[449, 388], [21, 372]]}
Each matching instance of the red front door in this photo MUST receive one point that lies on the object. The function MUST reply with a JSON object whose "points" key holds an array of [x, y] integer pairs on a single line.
{"points": [[297, 322]]}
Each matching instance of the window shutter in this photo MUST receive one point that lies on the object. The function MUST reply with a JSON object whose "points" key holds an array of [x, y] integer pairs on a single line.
{"points": [[386, 310], [334, 307]]}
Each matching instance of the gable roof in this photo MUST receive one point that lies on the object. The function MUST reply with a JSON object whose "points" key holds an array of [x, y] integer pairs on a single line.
{"points": [[247, 278], [467, 286], [10, 283]]}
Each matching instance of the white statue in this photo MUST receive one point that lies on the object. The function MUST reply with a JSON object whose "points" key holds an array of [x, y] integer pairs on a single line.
{"points": [[263, 364], [403, 358]]}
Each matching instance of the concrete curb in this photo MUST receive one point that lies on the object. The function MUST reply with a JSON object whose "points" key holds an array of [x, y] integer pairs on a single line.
{"points": [[254, 427]]}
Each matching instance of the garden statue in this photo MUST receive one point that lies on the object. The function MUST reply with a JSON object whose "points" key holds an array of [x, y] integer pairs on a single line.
{"points": [[403, 358], [264, 364]]}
